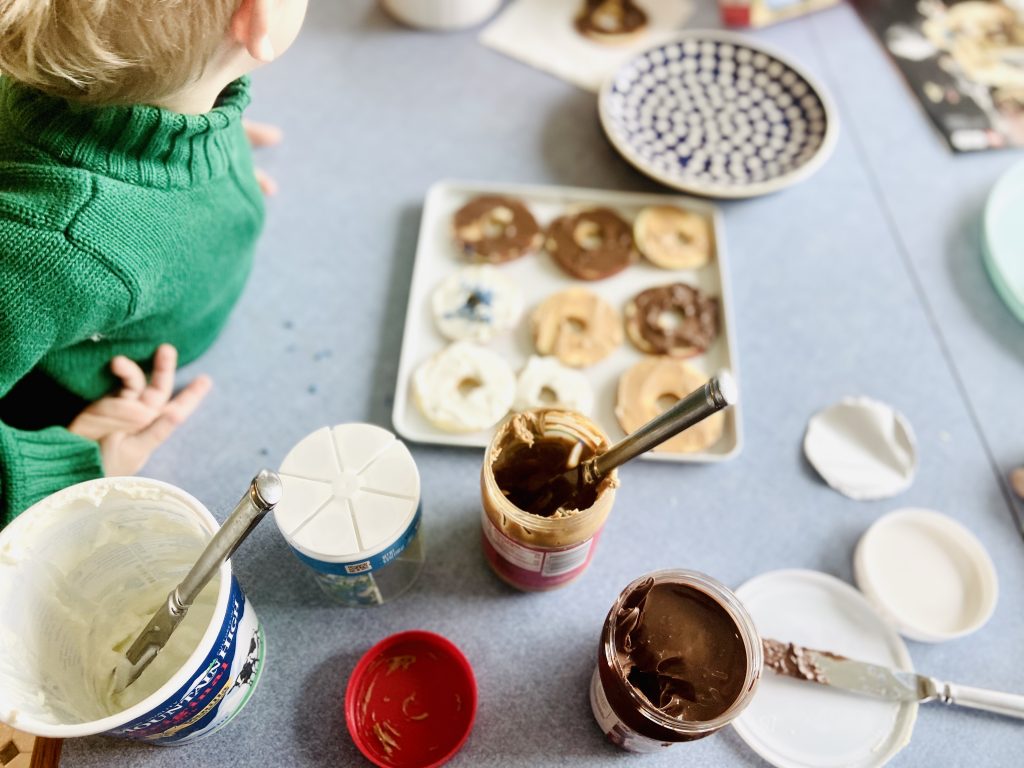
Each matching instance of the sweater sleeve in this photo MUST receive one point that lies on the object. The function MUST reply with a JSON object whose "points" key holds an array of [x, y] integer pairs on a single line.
{"points": [[36, 464], [51, 295]]}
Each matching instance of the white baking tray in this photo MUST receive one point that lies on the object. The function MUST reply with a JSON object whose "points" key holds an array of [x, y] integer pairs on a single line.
{"points": [[538, 276]]}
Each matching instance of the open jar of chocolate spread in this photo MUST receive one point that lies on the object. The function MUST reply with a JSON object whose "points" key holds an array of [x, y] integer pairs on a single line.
{"points": [[679, 659], [531, 550]]}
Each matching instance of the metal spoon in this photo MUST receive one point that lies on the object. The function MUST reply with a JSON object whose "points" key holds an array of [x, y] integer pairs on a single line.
{"points": [[263, 495], [555, 490]]}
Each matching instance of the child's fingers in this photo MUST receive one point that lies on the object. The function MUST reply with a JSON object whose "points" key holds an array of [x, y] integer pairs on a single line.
{"points": [[161, 380], [267, 184], [174, 414], [262, 134], [185, 402], [124, 410], [133, 378], [109, 415]]}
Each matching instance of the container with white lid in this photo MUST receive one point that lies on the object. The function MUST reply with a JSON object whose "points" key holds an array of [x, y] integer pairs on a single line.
{"points": [[351, 511], [927, 574]]}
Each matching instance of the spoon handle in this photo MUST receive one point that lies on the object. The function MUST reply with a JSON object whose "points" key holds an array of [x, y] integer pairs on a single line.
{"points": [[263, 494], [716, 394]]}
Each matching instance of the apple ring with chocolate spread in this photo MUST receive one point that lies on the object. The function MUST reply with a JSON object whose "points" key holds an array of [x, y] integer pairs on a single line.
{"points": [[496, 229], [611, 21], [675, 319], [592, 244]]}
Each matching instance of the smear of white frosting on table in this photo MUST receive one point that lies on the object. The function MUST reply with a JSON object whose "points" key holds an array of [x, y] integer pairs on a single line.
{"points": [[862, 448]]}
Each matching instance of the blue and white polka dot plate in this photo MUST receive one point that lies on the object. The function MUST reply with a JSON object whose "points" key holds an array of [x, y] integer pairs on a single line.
{"points": [[712, 113]]}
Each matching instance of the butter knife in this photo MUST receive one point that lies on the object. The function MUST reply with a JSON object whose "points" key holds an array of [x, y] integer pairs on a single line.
{"points": [[880, 682]]}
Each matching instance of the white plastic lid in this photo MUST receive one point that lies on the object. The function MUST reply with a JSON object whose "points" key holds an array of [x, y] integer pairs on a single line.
{"points": [[349, 492], [926, 574], [800, 724]]}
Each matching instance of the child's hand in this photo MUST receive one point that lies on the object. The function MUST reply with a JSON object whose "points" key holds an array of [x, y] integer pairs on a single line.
{"points": [[263, 135], [132, 424]]}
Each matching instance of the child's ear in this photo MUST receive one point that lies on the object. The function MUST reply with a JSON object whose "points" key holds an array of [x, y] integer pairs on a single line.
{"points": [[250, 28]]}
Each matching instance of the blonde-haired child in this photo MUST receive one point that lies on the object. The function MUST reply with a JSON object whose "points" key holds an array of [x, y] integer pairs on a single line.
{"points": [[129, 210]]}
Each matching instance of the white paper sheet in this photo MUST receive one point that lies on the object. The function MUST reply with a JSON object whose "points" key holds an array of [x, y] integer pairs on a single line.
{"points": [[542, 34]]}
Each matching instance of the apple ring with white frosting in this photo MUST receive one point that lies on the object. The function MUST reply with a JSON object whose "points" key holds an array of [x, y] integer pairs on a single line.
{"points": [[476, 304], [546, 383], [464, 388]]}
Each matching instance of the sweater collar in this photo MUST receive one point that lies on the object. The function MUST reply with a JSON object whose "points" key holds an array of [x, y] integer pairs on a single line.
{"points": [[138, 144]]}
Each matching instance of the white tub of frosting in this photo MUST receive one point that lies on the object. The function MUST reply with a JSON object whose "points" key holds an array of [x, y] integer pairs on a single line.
{"points": [[81, 572], [351, 511]]}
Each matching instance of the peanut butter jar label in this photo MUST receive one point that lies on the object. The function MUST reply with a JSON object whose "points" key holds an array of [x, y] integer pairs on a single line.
{"points": [[534, 568]]}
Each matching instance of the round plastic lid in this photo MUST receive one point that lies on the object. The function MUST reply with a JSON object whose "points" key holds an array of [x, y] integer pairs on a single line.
{"points": [[926, 574], [349, 492], [799, 724], [411, 701]]}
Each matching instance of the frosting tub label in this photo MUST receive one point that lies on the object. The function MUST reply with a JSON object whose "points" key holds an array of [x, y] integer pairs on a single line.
{"points": [[80, 576], [221, 686], [535, 567]]}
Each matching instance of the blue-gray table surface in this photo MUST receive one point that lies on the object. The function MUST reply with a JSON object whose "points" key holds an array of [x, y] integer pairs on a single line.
{"points": [[865, 279]]}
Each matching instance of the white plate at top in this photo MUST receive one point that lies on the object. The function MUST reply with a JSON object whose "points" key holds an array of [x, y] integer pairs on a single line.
{"points": [[797, 724], [538, 276], [718, 114]]}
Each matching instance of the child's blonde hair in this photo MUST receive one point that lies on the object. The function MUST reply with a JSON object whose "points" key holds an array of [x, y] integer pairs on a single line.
{"points": [[110, 51]]}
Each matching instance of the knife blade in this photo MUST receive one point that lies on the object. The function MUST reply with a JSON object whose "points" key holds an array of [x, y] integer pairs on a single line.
{"points": [[880, 682]]}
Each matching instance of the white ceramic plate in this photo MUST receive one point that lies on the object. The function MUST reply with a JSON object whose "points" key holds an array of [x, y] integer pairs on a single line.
{"points": [[717, 114], [797, 724], [538, 276]]}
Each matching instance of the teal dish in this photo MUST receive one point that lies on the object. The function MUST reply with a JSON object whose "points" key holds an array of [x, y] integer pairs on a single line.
{"points": [[1002, 239]]}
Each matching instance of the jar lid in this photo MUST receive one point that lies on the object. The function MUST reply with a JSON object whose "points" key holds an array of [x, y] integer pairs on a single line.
{"points": [[927, 574], [411, 701], [800, 724], [349, 492]]}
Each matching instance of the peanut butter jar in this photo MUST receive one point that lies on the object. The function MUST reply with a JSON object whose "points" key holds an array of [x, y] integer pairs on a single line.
{"points": [[679, 659], [529, 551]]}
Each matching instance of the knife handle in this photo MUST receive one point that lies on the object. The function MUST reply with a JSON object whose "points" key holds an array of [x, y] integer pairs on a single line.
{"points": [[1010, 704]]}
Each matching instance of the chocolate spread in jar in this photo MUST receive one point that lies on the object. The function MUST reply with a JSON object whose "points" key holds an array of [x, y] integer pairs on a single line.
{"points": [[531, 455], [680, 649], [527, 470]]}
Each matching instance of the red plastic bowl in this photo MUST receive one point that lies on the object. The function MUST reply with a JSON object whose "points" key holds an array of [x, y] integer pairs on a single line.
{"points": [[411, 701]]}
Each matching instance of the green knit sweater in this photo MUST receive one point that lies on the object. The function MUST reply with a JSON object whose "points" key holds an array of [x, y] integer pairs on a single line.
{"points": [[120, 228]]}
